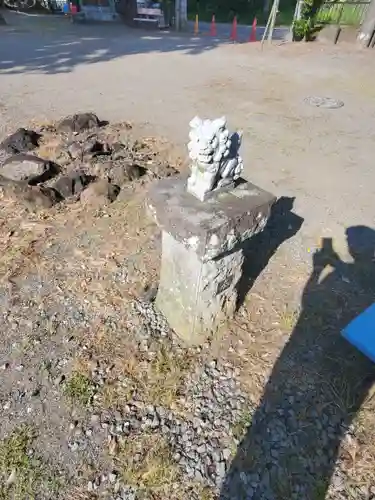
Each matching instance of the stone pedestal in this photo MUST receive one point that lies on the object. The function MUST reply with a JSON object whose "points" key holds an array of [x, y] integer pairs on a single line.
{"points": [[202, 255]]}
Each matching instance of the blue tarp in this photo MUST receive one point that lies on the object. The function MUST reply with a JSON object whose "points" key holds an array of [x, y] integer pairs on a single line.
{"points": [[361, 332]]}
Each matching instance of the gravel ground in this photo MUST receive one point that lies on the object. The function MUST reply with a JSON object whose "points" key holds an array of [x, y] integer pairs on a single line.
{"points": [[99, 399], [120, 410]]}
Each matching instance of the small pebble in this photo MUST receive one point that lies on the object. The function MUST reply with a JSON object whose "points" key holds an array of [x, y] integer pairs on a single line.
{"points": [[11, 478], [59, 380], [112, 477], [73, 425], [94, 419]]}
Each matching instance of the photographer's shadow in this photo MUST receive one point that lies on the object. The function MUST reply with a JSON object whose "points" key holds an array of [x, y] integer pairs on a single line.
{"points": [[316, 387]]}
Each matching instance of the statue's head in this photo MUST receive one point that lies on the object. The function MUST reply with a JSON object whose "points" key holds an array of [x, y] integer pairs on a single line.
{"points": [[205, 138]]}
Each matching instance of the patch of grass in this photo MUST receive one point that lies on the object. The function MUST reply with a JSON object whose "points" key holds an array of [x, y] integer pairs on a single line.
{"points": [[125, 382], [342, 393], [159, 381], [165, 377], [288, 319], [320, 490], [111, 394], [207, 494], [19, 475], [240, 427], [342, 388], [80, 389], [146, 462], [23, 475], [282, 488]]}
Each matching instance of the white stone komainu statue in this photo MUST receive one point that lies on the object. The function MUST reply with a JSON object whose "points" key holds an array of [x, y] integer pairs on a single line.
{"points": [[216, 163]]}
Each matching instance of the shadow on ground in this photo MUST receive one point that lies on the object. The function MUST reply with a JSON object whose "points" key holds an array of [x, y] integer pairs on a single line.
{"points": [[33, 43], [317, 385], [56, 46], [282, 225]]}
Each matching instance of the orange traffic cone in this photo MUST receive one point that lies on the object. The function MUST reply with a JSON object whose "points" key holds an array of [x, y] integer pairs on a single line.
{"points": [[253, 33], [196, 28], [233, 33], [213, 31]]}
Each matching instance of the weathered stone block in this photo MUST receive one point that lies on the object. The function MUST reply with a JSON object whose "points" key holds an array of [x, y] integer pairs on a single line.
{"points": [[214, 226], [202, 255], [196, 296]]}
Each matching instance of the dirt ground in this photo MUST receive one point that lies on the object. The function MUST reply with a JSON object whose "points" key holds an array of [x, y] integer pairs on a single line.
{"points": [[69, 275], [321, 157]]}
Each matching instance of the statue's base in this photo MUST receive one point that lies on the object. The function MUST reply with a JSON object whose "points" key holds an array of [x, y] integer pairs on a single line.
{"points": [[202, 254]]}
